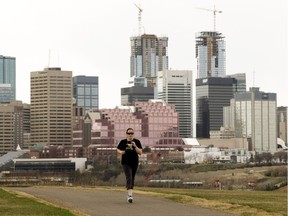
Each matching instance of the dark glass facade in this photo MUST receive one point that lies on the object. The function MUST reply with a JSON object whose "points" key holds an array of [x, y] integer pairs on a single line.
{"points": [[212, 94], [47, 166], [86, 92], [134, 94]]}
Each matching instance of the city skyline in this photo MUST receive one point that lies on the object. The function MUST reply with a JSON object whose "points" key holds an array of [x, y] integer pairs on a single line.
{"points": [[93, 39]]}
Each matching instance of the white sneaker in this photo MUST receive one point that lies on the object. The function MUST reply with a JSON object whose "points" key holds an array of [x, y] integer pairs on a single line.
{"points": [[129, 199]]}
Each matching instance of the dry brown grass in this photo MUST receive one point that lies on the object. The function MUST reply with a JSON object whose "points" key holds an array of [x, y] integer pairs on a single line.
{"points": [[233, 178], [238, 203]]}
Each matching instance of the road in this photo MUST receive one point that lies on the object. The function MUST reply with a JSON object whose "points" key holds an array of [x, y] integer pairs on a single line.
{"points": [[101, 202]]}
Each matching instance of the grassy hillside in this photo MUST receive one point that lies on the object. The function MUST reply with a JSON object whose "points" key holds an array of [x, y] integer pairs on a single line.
{"points": [[263, 178], [15, 204], [240, 202]]}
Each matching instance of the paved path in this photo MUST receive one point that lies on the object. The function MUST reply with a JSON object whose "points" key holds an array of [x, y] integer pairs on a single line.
{"points": [[98, 202]]}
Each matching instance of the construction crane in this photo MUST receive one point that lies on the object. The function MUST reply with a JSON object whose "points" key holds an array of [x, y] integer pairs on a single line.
{"points": [[139, 18], [214, 14]]}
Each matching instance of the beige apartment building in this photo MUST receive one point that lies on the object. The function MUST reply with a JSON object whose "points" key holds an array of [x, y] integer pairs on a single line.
{"points": [[51, 107], [11, 126]]}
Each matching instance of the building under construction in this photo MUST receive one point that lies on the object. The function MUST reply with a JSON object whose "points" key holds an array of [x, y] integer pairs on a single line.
{"points": [[210, 54], [149, 54]]}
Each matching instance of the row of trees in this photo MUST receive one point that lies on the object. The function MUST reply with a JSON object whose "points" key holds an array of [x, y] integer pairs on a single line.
{"points": [[267, 157], [106, 169]]}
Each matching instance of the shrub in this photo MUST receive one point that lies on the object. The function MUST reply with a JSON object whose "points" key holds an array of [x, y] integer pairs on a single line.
{"points": [[276, 172]]}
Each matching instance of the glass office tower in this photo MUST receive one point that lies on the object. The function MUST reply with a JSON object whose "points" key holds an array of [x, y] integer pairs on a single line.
{"points": [[8, 72], [6, 93], [86, 92], [212, 94]]}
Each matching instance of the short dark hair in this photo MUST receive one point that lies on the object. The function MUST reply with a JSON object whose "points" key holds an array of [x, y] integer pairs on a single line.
{"points": [[129, 129]]}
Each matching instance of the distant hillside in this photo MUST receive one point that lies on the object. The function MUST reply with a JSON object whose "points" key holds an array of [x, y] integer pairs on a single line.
{"points": [[258, 178]]}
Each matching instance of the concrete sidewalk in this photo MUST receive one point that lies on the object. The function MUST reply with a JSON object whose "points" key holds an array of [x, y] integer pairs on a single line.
{"points": [[98, 202]]}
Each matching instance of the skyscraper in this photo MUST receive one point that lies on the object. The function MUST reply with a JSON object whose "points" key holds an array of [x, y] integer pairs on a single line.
{"points": [[11, 126], [282, 124], [133, 94], [8, 72], [51, 107], [210, 54], [212, 94], [255, 119], [149, 54], [175, 87], [240, 82], [86, 92], [6, 93]]}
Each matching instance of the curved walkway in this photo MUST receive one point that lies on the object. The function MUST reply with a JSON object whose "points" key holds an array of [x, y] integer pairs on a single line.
{"points": [[98, 202]]}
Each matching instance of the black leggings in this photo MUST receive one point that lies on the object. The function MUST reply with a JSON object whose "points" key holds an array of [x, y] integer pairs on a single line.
{"points": [[130, 172]]}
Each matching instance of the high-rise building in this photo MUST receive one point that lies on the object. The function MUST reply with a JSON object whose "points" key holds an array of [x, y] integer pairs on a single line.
{"points": [[8, 72], [210, 54], [11, 126], [26, 118], [26, 125], [138, 81], [240, 82], [261, 109], [255, 119], [133, 94], [175, 87], [6, 93], [212, 94], [51, 107], [86, 92], [149, 54], [282, 124]]}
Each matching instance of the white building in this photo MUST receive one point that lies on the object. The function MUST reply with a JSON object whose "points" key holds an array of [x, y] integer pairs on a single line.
{"points": [[175, 87], [208, 153], [202, 154]]}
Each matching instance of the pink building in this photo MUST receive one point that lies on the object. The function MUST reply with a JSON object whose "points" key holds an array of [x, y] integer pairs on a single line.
{"points": [[155, 124]]}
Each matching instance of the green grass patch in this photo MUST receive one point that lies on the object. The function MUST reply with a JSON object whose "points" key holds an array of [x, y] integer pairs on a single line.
{"points": [[243, 203], [14, 204]]}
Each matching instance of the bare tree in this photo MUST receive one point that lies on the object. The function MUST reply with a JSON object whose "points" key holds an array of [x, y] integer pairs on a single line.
{"points": [[280, 155], [267, 156], [258, 158]]}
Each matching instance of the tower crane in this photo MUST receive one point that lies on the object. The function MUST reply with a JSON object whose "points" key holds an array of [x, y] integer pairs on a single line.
{"points": [[139, 18], [214, 14]]}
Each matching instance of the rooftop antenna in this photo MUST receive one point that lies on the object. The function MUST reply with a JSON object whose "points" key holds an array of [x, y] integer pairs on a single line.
{"points": [[214, 15], [139, 18]]}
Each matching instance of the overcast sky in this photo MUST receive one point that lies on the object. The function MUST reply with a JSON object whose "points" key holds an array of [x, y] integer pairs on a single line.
{"points": [[92, 38]]}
